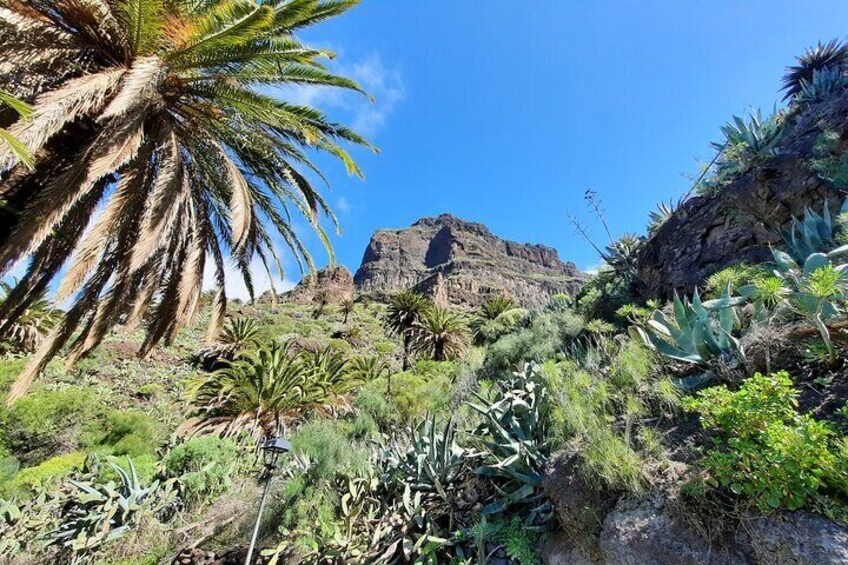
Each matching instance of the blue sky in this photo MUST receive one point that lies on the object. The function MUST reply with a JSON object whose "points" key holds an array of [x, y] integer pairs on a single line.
{"points": [[506, 112]]}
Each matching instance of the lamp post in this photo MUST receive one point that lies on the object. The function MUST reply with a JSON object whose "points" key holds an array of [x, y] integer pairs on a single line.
{"points": [[271, 452]]}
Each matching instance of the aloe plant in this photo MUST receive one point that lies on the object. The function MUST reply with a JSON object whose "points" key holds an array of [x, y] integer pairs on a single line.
{"points": [[813, 234], [101, 512], [699, 332], [515, 445]]}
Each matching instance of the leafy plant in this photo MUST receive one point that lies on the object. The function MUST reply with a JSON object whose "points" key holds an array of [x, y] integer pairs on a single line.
{"points": [[202, 467], [768, 452], [18, 150], [31, 325], [98, 513], [440, 334], [832, 55], [495, 317], [515, 445], [346, 308], [242, 333], [699, 331], [824, 84], [815, 234]]}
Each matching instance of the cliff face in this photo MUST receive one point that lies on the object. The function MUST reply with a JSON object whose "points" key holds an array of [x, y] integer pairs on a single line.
{"points": [[739, 223], [461, 263]]}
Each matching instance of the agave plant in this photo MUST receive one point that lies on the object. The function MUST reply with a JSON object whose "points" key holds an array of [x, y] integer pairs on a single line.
{"points": [[32, 325], [101, 512], [824, 84], [747, 140], [813, 234], [515, 445], [660, 215], [832, 55], [699, 331], [431, 461]]}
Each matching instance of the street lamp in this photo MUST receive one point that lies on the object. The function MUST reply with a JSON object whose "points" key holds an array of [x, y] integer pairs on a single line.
{"points": [[271, 451]]}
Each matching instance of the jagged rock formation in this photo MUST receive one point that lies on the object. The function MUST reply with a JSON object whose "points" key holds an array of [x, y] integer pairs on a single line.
{"points": [[461, 263], [336, 281], [708, 233]]}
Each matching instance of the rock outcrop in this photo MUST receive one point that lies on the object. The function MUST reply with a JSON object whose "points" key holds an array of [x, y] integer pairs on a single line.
{"points": [[461, 263], [708, 233], [336, 281]]}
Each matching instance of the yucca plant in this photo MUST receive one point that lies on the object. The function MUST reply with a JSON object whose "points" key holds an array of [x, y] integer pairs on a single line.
{"points": [[430, 460], [33, 324], [698, 333], [814, 234], [165, 115], [99, 513], [405, 310], [440, 334], [832, 55], [515, 445]]}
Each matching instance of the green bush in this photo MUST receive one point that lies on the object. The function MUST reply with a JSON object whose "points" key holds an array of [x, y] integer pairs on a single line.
{"points": [[48, 472], [767, 451], [46, 422], [203, 466], [547, 335], [132, 433], [329, 448]]}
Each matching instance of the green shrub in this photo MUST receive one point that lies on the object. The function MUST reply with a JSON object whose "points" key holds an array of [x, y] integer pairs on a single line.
{"points": [[412, 395], [133, 433], [767, 451], [48, 472], [46, 422], [204, 466], [547, 334], [330, 450], [10, 368]]}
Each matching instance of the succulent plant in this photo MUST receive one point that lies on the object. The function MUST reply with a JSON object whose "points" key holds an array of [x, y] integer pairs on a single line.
{"points": [[813, 234], [515, 446], [699, 332], [824, 84], [431, 461], [98, 513], [746, 140], [831, 55]]}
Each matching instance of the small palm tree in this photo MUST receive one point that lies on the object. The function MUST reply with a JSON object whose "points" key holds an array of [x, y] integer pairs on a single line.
{"points": [[496, 316], [260, 391], [164, 119], [321, 299], [32, 325], [241, 332], [441, 334], [346, 308], [404, 312]]}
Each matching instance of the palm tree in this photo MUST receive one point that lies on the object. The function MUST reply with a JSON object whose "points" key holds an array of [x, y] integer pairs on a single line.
{"points": [[405, 309], [321, 299], [159, 111], [496, 316], [238, 334], [261, 390], [347, 307], [441, 334], [32, 325]]}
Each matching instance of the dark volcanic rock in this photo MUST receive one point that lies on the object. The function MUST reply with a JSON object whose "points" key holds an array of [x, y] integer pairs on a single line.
{"points": [[461, 263], [739, 224]]}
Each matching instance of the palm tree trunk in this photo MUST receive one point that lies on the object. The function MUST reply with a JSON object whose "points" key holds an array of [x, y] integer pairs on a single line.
{"points": [[407, 342]]}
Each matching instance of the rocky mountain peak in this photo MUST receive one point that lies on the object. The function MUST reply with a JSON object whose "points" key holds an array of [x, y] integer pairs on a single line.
{"points": [[461, 263]]}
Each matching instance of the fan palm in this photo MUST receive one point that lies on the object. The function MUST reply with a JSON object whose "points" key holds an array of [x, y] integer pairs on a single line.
{"points": [[441, 334], [824, 56], [405, 310], [162, 111]]}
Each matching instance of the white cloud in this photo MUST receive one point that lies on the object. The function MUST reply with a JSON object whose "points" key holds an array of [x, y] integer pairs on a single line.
{"points": [[343, 205], [366, 118], [235, 282]]}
